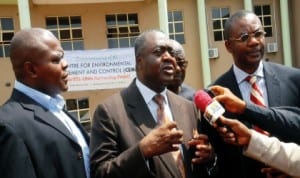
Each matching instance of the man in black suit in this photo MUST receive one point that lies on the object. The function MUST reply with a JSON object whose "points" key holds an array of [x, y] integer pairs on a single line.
{"points": [[40, 139], [245, 40], [127, 141], [178, 86]]}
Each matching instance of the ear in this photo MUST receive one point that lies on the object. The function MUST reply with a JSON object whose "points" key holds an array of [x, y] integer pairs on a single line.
{"points": [[228, 46], [30, 69], [139, 62]]}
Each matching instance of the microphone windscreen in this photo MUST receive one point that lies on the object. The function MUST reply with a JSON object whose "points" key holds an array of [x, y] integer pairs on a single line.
{"points": [[202, 100]]}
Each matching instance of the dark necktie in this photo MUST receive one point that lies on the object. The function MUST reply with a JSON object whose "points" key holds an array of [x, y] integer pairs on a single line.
{"points": [[161, 119]]}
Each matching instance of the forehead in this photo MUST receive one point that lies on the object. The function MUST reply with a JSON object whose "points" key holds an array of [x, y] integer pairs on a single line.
{"points": [[246, 24], [157, 39]]}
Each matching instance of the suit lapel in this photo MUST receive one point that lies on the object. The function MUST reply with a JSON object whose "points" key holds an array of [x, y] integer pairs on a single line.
{"points": [[140, 114], [80, 127], [228, 79], [41, 114], [272, 85], [48, 118], [180, 115], [137, 109]]}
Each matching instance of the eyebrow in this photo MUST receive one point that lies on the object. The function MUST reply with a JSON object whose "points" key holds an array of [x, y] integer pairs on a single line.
{"points": [[256, 30]]}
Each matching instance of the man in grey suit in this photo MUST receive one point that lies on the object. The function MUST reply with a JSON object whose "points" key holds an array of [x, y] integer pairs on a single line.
{"points": [[126, 141], [38, 138], [245, 40]]}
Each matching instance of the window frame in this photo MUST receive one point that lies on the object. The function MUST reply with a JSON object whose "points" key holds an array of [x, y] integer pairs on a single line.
{"points": [[4, 43], [222, 19], [76, 111], [262, 16], [121, 29], [64, 29], [173, 24]]}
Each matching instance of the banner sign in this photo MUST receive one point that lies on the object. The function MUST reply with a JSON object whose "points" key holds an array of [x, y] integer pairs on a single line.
{"points": [[100, 69]]}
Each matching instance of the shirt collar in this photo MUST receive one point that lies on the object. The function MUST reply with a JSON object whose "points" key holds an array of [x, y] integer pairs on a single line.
{"points": [[241, 75], [51, 103], [147, 93]]}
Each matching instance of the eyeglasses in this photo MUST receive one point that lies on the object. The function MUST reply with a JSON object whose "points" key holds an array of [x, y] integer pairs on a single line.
{"points": [[245, 37]]}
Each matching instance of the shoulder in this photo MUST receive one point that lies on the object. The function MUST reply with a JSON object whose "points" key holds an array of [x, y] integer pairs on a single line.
{"points": [[11, 111], [178, 99], [282, 71], [186, 87], [187, 92], [226, 78], [280, 67], [112, 101]]}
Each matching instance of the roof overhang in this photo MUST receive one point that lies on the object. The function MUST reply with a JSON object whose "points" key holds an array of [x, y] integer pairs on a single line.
{"points": [[43, 2], [9, 2]]}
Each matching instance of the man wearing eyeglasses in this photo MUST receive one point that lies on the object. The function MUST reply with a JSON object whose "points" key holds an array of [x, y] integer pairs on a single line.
{"points": [[178, 86], [278, 84]]}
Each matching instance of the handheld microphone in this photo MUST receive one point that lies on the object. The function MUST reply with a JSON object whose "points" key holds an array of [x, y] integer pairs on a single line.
{"points": [[212, 109]]}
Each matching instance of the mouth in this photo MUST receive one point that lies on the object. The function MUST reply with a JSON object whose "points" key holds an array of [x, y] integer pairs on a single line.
{"points": [[65, 77], [168, 69], [256, 53]]}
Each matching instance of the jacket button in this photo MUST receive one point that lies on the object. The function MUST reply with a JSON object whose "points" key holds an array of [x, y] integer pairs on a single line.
{"points": [[79, 155]]}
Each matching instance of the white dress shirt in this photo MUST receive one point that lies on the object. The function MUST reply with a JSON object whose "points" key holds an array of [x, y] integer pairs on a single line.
{"points": [[148, 95], [245, 87]]}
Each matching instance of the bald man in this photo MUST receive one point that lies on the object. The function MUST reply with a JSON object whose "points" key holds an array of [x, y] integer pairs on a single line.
{"points": [[38, 138]]}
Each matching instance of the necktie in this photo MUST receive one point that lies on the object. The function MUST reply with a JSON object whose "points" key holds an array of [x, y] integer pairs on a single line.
{"points": [[257, 98], [162, 118]]}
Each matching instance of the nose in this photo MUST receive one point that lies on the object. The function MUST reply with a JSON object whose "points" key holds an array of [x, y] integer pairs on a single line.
{"points": [[168, 57], [64, 64], [166, 54]]}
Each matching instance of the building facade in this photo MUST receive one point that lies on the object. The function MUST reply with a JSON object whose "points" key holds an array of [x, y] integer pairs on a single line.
{"points": [[101, 24]]}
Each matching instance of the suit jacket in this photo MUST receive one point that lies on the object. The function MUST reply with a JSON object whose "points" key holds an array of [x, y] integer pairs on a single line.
{"points": [[283, 122], [121, 122], [283, 89], [33, 136]]}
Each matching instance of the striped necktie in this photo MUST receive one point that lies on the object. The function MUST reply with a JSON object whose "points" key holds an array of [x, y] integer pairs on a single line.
{"points": [[257, 98]]}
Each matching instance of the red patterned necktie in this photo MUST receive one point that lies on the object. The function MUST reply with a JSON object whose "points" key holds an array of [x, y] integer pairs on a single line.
{"points": [[162, 118], [257, 98]]}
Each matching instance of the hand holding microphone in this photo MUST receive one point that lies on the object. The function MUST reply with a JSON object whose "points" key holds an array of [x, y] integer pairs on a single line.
{"points": [[213, 112], [231, 102]]}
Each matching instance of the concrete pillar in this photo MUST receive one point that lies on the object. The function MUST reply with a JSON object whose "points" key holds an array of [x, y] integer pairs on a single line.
{"points": [[163, 16], [24, 14]]}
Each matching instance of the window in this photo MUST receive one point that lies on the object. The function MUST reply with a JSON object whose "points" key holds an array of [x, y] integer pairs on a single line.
{"points": [[122, 30], [80, 109], [264, 14], [6, 34], [68, 30], [219, 17], [176, 26]]}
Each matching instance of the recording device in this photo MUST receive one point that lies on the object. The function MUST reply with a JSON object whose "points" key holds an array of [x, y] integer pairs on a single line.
{"points": [[210, 108]]}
